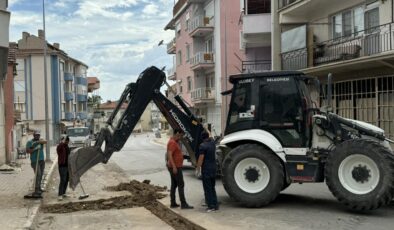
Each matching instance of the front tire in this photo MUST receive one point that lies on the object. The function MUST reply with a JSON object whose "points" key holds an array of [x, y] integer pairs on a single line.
{"points": [[252, 175], [360, 174]]}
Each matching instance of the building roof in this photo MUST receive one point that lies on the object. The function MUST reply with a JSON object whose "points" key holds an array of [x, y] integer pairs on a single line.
{"points": [[111, 105], [93, 80]]}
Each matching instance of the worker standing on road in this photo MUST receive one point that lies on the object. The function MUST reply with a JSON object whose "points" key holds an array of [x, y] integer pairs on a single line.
{"points": [[206, 166], [35, 147], [63, 151], [175, 164]]}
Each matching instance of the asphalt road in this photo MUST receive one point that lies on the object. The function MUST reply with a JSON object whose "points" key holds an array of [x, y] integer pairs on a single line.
{"points": [[306, 206]]}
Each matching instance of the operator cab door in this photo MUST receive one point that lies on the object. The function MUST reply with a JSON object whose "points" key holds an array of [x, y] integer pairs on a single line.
{"points": [[283, 113]]}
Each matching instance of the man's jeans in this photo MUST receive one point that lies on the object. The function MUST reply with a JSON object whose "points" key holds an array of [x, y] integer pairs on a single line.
{"points": [[177, 181], [39, 174], [63, 172], [208, 183]]}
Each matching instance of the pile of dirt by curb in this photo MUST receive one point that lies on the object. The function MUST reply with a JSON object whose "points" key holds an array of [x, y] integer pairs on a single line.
{"points": [[141, 195]]}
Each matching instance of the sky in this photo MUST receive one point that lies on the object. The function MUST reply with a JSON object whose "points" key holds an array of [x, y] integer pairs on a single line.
{"points": [[117, 39]]}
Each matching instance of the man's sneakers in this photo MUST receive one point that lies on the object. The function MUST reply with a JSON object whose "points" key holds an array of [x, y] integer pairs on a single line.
{"points": [[186, 206], [60, 198], [208, 210], [174, 205]]}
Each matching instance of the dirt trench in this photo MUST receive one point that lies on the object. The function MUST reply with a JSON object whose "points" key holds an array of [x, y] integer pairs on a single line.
{"points": [[142, 194]]}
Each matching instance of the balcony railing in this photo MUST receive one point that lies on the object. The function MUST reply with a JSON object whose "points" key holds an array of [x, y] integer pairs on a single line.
{"points": [[203, 94], [256, 66], [82, 115], [171, 74], [202, 58], [68, 76], [199, 22], [363, 43], [171, 47], [82, 98], [294, 60], [69, 116], [284, 3], [68, 96]]}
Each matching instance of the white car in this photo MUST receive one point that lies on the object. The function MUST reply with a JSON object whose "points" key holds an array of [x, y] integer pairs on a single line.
{"points": [[79, 137]]}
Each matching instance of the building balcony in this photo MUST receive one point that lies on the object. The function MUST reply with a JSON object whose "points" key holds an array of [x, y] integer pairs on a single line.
{"points": [[373, 46], [80, 80], [68, 96], [82, 115], [203, 95], [68, 77], [256, 66], [256, 30], [171, 74], [69, 116], [171, 47], [302, 11], [202, 60], [82, 98], [200, 26], [285, 3]]}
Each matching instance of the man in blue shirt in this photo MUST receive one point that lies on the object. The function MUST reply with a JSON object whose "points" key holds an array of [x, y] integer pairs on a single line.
{"points": [[206, 165], [35, 147]]}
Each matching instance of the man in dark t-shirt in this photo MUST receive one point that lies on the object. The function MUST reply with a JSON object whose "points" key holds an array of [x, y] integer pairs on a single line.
{"points": [[206, 164]]}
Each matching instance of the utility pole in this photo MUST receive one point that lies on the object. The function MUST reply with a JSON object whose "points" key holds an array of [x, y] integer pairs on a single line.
{"points": [[47, 150]]}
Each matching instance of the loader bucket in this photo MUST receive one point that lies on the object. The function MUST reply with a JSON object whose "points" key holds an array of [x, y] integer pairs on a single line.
{"points": [[81, 160]]}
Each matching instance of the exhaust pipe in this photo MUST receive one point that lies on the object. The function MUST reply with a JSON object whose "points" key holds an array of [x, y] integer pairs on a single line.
{"points": [[329, 92]]}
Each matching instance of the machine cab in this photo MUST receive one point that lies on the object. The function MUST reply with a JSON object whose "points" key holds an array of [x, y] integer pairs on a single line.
{"points": [[277, 102]]}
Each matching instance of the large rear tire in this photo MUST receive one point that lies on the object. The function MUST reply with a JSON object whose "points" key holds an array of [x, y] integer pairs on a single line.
{"points": [[252, 175], [360, 174]]}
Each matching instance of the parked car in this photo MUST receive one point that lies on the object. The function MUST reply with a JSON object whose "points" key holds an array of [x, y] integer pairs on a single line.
{"points": [[79, 137]]}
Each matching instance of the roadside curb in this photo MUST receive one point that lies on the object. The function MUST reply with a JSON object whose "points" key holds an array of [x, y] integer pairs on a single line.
{"points": [[36, 207]]}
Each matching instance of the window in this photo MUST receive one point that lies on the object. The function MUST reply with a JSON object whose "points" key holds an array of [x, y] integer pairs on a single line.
{"points": [[187, 20], [189, 84], [178, 28], [258, 6], [350, 22], [179, 58], [187, 53], [209, 46], [19, 86]]}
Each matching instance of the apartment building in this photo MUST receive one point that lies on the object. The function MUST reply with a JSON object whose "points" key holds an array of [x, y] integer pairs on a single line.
{"points": [[4, 39], [207, 48], [67, 86], [351, 39], [256, 35]]}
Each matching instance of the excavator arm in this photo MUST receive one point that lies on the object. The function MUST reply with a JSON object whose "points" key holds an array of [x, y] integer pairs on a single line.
{"points": [[113, 137]]}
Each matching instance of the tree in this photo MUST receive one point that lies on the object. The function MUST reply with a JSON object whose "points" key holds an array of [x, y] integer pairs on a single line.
{"points": [[95, 101]]}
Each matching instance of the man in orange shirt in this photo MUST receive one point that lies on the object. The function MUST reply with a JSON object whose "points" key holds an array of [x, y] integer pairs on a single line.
{"points": [[174, 164]]}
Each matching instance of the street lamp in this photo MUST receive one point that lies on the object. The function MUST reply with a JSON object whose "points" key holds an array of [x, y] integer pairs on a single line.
{"points": [[47, 150]]}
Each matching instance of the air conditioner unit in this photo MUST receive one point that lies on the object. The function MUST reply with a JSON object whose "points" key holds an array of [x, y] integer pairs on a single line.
{"points": [[208, 56], [206, 21]]}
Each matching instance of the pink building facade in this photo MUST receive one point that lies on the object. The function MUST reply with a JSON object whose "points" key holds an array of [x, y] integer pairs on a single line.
{"points": [[207, 48]]}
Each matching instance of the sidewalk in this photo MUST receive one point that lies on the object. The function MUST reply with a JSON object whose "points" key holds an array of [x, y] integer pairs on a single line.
{"points": [[15, 211]]}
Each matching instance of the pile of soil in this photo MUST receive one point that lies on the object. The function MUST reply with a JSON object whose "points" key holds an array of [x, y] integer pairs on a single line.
{"points": [[141, 195]]}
